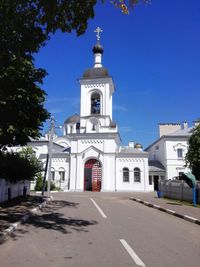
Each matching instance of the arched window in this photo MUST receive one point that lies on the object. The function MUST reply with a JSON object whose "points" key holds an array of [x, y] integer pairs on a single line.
{"points": [[125, 175], [137, 175], [52, 174], [94, 126], [95, 103], [61, 175]]}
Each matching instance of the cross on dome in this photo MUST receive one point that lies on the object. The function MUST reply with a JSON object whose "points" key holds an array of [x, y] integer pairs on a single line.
{"points": [[98, 31]]}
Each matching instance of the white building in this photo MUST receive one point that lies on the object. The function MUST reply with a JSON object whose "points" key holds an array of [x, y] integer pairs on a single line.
{"points": [[167, 154], [89, 155]]}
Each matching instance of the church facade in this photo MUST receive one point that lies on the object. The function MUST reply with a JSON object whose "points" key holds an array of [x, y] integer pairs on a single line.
{"points": [[89, 155]]}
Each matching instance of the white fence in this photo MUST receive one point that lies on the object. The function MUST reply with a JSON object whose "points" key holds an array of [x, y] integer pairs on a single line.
{"points": [[178, 190], [11, 190]]}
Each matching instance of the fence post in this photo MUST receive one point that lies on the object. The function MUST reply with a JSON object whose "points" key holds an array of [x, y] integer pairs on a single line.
{"points": [[170, 189], [182, 186]]}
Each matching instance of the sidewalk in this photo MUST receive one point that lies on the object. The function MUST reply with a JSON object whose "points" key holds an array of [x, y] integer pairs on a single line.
{"points": [[16, 211], [172, 207]]}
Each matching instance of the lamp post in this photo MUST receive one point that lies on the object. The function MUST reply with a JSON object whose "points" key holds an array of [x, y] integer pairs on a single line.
{"points": [[50, 146]]}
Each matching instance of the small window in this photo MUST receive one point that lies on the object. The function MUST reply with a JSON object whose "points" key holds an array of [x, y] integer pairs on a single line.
{"points": [[125, 175], [78, 126], [180, 152], [137, 178], [62, 176], [157, 147], [52, 175]]}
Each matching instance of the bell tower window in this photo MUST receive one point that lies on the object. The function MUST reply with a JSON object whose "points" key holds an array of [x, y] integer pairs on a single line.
{"points": [[95, 103], [93, 127]]}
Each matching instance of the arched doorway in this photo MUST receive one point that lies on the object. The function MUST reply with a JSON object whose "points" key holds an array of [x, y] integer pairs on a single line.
{"points": [[92, 175]]}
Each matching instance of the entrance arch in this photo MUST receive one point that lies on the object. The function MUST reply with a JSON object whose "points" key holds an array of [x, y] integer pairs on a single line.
{"points": [[92, 175]]}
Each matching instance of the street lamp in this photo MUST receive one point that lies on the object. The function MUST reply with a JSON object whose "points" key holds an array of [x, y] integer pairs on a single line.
{"points": [[50, 146]]}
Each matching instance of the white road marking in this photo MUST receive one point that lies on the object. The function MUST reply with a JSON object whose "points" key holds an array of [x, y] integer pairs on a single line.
{"points": [[99, 209], [132, 253]]}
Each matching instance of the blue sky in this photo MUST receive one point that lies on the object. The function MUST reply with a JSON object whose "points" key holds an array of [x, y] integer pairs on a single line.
{"points": [[153, 55]]}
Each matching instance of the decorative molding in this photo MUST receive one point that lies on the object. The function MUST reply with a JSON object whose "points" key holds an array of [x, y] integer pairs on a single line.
{"points": [[180, 145], [94, 85], [59, 159], [130, 160], [92, 141]]}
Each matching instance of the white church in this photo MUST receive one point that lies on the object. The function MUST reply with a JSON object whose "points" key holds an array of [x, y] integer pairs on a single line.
{"points": [[89, 155]]}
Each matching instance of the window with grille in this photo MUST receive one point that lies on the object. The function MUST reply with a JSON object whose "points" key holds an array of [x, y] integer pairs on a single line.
{"points": [[62, 175], [52, 175], [180, 152], [137, 175], [125, 175]]}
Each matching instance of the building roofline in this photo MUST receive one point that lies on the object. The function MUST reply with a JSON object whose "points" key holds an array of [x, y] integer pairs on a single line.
{"points": [[44, 141], [165, 137], [130, 154]]}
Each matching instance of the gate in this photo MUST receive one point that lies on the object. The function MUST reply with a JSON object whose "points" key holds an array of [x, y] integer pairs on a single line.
{"points": [[92, 175]]}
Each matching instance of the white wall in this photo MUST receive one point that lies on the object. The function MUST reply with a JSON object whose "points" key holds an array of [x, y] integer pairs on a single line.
{"points": [[108, 173], [131, 163], [174, 164], [16, 189], [157, 151]]}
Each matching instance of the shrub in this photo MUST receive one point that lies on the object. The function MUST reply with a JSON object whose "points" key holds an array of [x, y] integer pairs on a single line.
{"points": [[39, 184]]}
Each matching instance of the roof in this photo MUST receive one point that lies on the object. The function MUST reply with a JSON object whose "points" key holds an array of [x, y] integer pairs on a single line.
{"points": [[156, 166], [72, 119], [182, 132], [131, 150], [94, 73], [55, 155]]}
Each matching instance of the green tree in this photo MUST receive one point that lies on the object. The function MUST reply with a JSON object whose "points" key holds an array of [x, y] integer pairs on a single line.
{"points": [[19, 166], [39, 183], [21, 102], [29, 154], [193, 154], [25, 26]]}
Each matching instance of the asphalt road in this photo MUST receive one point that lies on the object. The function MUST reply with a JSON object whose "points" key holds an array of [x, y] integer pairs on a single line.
{"points": [[102, 230]]}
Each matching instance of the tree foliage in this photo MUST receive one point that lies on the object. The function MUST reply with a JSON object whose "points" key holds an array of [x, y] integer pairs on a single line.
{"points": [[19, 166], [39, 184], [21, 102], [126, 5], [193, 154], [25, 26]]}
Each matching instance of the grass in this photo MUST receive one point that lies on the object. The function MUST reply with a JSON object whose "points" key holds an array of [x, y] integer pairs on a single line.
{"points": [[183, 202]]}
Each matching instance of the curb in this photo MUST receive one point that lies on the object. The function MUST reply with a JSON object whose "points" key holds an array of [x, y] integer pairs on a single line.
{"points": [[13, 227], [184, 217]]}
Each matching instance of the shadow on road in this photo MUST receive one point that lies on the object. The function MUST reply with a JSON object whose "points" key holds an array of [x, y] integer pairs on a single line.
{"points": [[52, 218], [12, 211]]}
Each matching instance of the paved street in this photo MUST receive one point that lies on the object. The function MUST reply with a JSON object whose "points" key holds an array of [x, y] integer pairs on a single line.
{"points": [[102, 229]]}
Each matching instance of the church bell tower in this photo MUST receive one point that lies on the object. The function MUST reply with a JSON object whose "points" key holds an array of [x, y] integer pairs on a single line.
{"points": [[97, 88]]}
